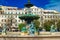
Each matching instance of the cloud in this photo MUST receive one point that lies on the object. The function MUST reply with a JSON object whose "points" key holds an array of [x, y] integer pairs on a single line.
{"points": [[53, 5]]}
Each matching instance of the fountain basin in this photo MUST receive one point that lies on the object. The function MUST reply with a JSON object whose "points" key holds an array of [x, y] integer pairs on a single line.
{"points": [[28, 37]]}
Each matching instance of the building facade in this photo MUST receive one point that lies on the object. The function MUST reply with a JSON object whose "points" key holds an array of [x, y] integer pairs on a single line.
{"points": [[9, 15]]}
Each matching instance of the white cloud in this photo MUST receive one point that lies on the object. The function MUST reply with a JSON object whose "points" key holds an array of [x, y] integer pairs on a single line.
{"points": [[54, 5]]}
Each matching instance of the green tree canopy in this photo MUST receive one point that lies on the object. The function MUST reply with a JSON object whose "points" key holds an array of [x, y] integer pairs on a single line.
{"points": [[36, 23], [58, 25], [21, 25], [47, 24]]}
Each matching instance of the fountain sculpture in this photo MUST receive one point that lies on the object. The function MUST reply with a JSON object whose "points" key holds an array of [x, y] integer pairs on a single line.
{"points": [[4, 30], [29, 17], [53, 28]]}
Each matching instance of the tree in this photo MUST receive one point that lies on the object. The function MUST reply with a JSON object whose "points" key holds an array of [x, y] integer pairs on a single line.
{"points": [[21, 25], [37, 24], [58, 25], [47, 24]]}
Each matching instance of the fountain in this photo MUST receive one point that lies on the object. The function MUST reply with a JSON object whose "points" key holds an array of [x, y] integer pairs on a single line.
{"points": [[29, 18], [53, 28], [4, 30]]}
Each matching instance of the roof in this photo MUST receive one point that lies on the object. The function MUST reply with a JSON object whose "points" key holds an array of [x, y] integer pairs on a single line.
{"points": [[53, 11]]}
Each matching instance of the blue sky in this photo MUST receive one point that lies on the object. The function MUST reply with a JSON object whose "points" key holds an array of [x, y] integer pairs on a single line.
{"points": [[46, 4], [53, 4]]}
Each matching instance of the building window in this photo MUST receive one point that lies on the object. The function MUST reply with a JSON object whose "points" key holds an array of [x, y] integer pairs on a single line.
{"points": [[8, 16], [2, 16], [5, 13], [16, 16], [16, 20], [22, 13], [37, 9], [53, 16], [48, 20], [5, 16], [5, 20], [2, 20], [16, 12], [19, 20], [56, 16], [15, 24], [8, 20], [0, 12], [2, 24], [50, 16], [25, 12], [19, 12], [8, 13], [11, 12], [45, 16]]}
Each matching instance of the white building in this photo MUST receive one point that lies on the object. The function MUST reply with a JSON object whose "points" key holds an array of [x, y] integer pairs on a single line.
{"points": [[7, 13]]}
